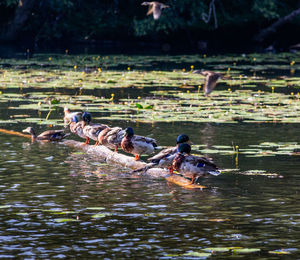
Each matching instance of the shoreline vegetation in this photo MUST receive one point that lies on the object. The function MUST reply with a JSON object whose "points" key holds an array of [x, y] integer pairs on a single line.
{"points": [[204, 26]]}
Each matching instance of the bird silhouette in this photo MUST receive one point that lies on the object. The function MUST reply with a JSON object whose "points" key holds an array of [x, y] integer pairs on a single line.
{"points": [[155, 8], [211, 79]]}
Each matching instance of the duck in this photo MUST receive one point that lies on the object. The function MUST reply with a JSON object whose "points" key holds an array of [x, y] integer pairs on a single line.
{"points": [[111, 137], [76, 127], [136, 144], [192, 166], [211, 79], [164, 158], [155, 8], [50, 135], [91, 131], [68, 116]]}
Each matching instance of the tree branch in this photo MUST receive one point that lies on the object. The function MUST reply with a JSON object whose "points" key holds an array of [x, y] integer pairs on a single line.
{"points": [[22, 13], [274, 27]]}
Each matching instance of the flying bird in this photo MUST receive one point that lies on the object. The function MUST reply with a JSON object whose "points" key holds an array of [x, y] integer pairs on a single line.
{"points": [[211, 79], [155, 8]]}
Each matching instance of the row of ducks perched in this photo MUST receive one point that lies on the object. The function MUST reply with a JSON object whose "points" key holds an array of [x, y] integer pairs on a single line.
{"points": [[177, 158]]}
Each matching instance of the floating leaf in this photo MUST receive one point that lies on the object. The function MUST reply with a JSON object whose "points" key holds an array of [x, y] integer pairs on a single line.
{"points": [[139, 106], [218, 249], [149, 107], [5, 206], [95, 208], [246, 250], [55, 101], [101, 215], [197, 254], [280, 252], [62, 220]]}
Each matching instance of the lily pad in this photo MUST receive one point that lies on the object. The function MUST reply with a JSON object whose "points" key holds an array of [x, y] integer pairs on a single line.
{"points": [[246, 250], [62, 220], [197, 254]]}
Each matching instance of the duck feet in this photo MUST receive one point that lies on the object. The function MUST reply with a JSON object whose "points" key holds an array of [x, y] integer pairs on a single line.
{"points": [[137, 157], [87, 141], [193, 180], [171, 171]]}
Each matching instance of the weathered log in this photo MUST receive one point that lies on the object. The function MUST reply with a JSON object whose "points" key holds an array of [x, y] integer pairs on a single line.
{"points": [[274, 27], [116, 158], [11, 132]]}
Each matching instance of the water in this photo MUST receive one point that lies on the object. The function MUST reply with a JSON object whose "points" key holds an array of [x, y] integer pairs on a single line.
{"points": [[57, 202], [142, 216]]}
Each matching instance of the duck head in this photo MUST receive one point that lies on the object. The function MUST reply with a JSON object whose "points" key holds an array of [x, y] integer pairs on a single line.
{"points": [[184, 148], [129, 132], [182, 139], [29, 130], [66, 110], [87, 117]]}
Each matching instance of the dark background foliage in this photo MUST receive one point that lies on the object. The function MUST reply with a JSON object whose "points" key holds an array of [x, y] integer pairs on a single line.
{"points": [[55, 22]]}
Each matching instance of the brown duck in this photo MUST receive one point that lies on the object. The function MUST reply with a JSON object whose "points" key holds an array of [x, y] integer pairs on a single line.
{"points": [[50, 135], [191, 166], [211, 79], [155, 8]]}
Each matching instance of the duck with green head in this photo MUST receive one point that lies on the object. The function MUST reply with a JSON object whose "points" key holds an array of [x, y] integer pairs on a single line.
{"points": [[76, 127], [136, 144], [164, 158], [50, 135], [192, 166], [90, 130]]}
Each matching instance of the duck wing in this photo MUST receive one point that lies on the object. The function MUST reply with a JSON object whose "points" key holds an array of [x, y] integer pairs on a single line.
{"points": [[201, 164], [92, 131], [52, 135], [115, 136], [102, 137], [143, 139], [163, 154]]}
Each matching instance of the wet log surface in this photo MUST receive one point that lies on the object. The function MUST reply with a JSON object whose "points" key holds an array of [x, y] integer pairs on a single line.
{"points": [[115, 158], [119, 159]]}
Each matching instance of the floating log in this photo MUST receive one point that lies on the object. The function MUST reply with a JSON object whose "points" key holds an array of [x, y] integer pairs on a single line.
{"points": [[115, 158], [11, 132], [112, 157]]}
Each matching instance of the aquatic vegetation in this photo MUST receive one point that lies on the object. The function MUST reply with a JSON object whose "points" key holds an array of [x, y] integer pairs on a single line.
{"points": [[149, 91]]}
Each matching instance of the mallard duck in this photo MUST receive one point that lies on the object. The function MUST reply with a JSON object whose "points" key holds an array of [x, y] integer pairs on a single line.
{"points": [[136, 144], [155, 8], [50, 135], [164, 158], [76, 127], [211, 79], [111, 137], [192, 166], [91, 131], [68, 115]]}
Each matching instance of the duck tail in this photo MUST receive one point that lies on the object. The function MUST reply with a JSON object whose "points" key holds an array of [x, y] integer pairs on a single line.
{"points": [[214, 173], [144, 169]]}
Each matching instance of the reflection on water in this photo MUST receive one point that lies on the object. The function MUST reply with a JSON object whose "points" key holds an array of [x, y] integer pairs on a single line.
{"points": [[56, 202]]}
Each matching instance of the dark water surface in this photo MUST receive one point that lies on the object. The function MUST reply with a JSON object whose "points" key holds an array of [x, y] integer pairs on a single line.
{"points": [[141, 216], [57, 202]]}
